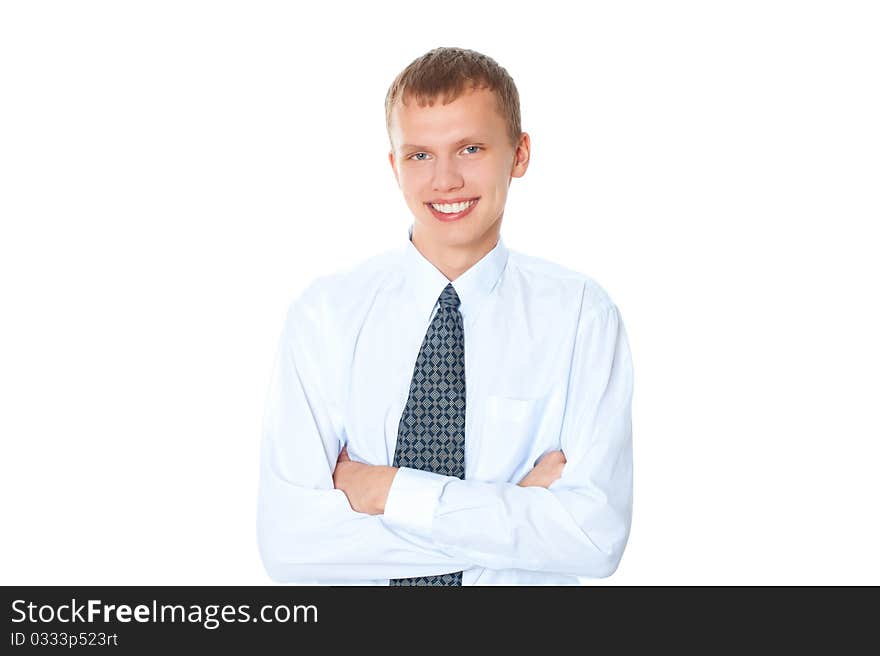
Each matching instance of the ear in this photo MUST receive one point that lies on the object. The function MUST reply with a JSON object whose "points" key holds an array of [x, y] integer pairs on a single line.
{"points": [[521, 156], [393, 166]]}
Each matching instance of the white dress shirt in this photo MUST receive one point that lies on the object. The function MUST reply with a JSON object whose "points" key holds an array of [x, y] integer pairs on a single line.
{"points": [[547, 367]]}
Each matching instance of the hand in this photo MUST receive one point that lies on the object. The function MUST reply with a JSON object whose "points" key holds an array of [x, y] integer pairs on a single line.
{"points": [[548, 469], [365, 486]]}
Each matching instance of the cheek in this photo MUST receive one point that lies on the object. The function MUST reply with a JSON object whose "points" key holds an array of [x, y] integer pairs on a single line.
{"points": [[413, 183], [492, 177], [495, 188]]}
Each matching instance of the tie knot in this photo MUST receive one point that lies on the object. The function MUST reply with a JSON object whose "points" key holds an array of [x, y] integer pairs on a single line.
{"points": [[448, 298]]}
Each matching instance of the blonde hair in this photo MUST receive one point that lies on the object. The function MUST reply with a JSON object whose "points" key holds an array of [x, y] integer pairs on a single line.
{"points": [[449, 72]]}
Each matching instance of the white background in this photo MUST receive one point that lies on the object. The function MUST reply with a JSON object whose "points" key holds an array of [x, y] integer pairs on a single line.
{"points": [[173, 173]]}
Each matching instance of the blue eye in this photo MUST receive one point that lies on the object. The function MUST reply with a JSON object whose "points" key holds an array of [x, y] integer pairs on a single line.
{"points": [[417, 156]]}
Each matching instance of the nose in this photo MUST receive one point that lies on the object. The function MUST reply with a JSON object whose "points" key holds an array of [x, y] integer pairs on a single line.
{"points": [[447, 177]]}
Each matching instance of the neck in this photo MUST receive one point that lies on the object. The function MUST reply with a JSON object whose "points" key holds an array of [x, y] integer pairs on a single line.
{"points": [[454, 260]]}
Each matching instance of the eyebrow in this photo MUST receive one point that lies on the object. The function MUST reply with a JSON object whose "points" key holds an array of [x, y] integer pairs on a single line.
{"points": [[460, 142]]}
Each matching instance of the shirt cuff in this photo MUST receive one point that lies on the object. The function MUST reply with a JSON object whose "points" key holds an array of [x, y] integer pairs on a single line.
{"points": [[413, 499]]}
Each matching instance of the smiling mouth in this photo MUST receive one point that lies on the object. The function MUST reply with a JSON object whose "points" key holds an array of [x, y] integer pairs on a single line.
{"points": [[452, 211]]}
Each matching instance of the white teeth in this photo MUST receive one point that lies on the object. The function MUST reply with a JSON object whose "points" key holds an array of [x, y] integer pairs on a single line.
{"points": [[454, 207]]}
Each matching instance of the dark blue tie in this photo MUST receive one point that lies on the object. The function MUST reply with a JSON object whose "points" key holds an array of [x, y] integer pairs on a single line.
{"points": [[430, 436]]}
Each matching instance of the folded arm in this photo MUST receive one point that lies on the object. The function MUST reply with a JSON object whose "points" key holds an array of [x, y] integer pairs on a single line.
{"points": [[307, 530], [580, 524]]}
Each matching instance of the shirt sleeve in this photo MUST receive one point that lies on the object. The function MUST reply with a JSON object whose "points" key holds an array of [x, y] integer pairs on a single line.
{"points": [[306, 529], [580, 525]]}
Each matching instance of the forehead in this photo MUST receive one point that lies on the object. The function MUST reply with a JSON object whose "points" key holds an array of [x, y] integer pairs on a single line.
{"points": [[473, 111]]}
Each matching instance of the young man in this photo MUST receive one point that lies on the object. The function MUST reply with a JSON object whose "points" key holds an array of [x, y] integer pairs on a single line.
{"points": [[450, 412]]}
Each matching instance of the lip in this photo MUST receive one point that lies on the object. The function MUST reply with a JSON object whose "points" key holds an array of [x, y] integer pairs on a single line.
{"points": [[460, 199], [449, 218]]}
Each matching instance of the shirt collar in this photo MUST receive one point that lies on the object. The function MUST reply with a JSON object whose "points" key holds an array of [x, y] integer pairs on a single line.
{"points": [[426, 282]]}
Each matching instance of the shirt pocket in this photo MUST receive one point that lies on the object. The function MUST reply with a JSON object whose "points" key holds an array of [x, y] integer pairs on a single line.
{"points": [[511, 439]]}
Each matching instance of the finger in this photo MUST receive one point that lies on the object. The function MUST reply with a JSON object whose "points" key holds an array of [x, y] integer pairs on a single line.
{"points": [[552, 457]]}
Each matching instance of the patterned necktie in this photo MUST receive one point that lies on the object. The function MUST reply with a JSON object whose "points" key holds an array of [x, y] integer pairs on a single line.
{"points": [[430, 436]]}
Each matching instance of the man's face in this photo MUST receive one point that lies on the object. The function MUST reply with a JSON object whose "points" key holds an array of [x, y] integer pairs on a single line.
{"points": [[460, 155]]}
